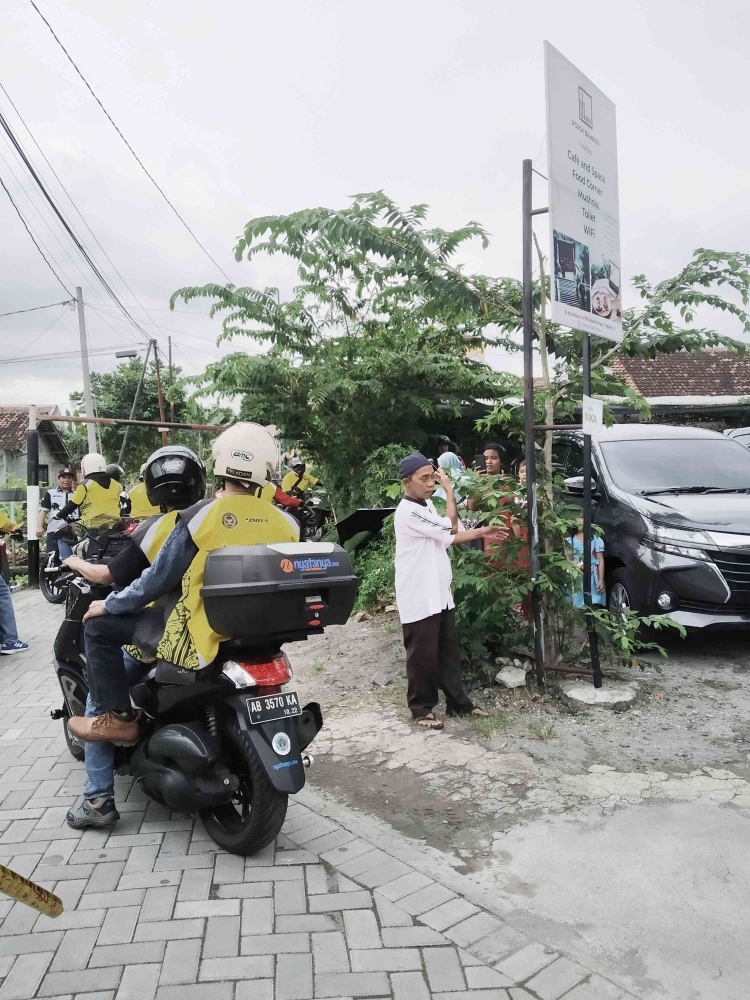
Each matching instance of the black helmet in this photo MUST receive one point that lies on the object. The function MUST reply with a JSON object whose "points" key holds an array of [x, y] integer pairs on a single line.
{"points": [[115, 472], [174, 475]]}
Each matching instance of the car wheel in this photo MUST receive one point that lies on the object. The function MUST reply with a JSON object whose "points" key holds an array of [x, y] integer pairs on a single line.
{"points": [[621, 593]]}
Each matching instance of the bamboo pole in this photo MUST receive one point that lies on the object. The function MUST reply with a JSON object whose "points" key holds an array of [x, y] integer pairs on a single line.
{"points": [[29, 893]]}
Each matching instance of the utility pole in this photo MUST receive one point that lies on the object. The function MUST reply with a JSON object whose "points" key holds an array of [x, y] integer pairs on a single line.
{"points": [[32, 496], [124, 445], [171, 387], [90, 428], [162, 415]]}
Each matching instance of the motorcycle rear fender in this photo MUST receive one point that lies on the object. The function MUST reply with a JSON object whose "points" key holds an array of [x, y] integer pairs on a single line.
{"points": [[285, 772], [73, 684]]}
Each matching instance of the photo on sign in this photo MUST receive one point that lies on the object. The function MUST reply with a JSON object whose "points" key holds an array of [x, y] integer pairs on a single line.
{"points": [[572, 273], [605, 290]]}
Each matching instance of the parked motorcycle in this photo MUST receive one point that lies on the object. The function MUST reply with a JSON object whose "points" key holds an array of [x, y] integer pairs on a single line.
{"points": [[226, 742]]}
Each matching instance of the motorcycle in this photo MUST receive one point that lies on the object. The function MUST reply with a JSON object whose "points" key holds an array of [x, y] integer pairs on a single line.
{"points": [[94, 544], [226, 742], [313, 515]]}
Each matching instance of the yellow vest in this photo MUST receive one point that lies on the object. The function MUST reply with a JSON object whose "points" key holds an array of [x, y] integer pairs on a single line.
{"points": [[189, 641], [140, 508], [290, 481], [98, 507], [150, 535]]}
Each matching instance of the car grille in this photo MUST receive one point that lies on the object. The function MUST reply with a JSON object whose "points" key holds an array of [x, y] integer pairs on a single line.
{"points": [[735, 568], [732, 607]]}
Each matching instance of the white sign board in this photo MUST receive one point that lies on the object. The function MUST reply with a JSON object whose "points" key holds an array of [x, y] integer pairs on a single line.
{"points": [[593, 415], [584, 210]]}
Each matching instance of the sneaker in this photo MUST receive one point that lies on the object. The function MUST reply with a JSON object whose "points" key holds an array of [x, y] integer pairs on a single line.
{"points": [[107, 728], [96, 812], [13, 647]]}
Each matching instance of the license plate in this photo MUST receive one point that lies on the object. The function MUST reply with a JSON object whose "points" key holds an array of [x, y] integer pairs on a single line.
{"points": [[273, 706]]}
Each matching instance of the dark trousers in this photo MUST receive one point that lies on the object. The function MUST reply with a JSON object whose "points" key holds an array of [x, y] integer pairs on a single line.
{"points": [[109, 684], [433, 664]]}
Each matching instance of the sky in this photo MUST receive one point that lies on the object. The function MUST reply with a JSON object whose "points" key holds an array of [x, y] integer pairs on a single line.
{"points": [[247, 109]]}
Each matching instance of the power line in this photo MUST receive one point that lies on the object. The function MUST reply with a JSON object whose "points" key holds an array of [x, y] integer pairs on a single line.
{"points": [[17, 312], [33, 240], [79, 246], [70, 199], [67, 354], [137, 158]]}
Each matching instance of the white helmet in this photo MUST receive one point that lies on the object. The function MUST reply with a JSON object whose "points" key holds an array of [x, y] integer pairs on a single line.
{"points": [[93, 463], [247, 452]]}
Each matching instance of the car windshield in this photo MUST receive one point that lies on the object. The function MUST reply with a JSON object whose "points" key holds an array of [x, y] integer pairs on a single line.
{"points": [[680, 463]]}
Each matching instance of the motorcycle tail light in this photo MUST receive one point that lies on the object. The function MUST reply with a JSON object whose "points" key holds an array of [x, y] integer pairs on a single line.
{"points": [[259, 673]]}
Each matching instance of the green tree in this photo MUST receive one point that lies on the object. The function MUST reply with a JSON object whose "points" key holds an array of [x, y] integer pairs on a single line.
{"points": [[114, 393], [375, 344]]}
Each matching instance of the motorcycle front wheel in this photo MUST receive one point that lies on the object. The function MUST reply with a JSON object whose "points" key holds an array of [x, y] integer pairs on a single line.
{"points": [[48, 587], [258, 810]]}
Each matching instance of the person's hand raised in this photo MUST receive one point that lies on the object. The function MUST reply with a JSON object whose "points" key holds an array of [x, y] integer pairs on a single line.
{"points": [[494, 533], [443, 479]]}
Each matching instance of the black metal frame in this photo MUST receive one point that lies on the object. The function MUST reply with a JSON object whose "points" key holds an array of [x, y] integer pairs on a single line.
{"points": [[529, 427]]}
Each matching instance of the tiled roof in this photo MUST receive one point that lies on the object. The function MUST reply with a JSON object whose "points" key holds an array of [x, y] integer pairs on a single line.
{"points": [[710, 373], [14, 423]]}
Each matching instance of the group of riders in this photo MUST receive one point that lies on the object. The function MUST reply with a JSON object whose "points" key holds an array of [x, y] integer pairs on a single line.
{"points": [[165, 529]]}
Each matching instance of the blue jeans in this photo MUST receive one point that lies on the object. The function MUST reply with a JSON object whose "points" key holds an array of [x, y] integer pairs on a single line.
{"points": [[100, 757], [59, 546], [8, 631]]}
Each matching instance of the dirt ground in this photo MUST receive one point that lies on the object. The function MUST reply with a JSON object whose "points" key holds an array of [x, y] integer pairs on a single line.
{"points": [[533, 756]]}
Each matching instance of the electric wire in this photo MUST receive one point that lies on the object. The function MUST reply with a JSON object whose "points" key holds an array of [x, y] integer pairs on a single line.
{"points": [[72, 202], [135, 155], [60, 355], [37, 338], [33, 240], [66, 226], [17, 312]]}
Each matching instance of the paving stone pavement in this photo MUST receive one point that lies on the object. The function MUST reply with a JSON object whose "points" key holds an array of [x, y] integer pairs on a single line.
{"points": [[155, 911]]}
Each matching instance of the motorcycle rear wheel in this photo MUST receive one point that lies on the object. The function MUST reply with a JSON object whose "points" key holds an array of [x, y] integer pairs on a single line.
{"points": [[258, 811], [55, 595]]}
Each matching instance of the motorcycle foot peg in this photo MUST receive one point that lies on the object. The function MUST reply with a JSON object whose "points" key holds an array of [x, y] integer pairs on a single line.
{"points": [[57, 713], [308, 760]]}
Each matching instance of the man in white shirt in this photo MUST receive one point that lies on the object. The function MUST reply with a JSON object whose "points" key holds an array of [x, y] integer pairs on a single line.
{"points": [[423, 590]]}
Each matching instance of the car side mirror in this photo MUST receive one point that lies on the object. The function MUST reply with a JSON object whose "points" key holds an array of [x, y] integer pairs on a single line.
{"points": [[575, 486]]}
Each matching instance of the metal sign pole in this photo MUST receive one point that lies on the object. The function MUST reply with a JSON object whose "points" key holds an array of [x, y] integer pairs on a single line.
{"points": [[528, 423], [587, 561]]}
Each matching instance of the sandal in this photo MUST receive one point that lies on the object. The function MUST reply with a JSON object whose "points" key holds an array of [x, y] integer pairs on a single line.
{"points": [[480, 713], [429, 722]]}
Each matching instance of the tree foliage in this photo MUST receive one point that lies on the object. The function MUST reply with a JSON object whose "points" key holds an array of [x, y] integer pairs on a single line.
{"points": [[374, 345]]}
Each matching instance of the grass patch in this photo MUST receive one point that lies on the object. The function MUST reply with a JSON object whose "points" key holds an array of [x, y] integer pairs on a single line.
{"points": [[317, 667], [541, 731], [489, 727]]}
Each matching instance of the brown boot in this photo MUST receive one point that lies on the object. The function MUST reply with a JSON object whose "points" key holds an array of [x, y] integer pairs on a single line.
{"points": [[108, 728]]}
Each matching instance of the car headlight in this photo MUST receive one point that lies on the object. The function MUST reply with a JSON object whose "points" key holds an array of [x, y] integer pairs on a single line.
{"points": [[678, 542]]}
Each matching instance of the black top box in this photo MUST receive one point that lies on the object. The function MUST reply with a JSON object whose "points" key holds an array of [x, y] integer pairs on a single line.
{"points": [[279, 592]]}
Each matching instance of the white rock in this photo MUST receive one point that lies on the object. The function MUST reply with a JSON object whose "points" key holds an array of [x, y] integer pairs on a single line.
{"points": [[511, 677], [615, 695]]}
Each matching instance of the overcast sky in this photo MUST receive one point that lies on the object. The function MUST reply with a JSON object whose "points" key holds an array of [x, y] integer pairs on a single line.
{"points": [[245, 109]]}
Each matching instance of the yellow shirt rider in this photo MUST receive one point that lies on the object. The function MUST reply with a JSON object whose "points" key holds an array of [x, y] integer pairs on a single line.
{"points": [[298, 481], [140, 505], [97, 498], [245, 459]]}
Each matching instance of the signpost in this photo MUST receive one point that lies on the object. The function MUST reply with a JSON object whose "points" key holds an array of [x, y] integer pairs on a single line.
{"points": [[586, 282], [584, 228]]}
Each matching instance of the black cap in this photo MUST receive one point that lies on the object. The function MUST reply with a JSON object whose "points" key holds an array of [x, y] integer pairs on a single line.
{"points": [[409, 465], [65, 471]]}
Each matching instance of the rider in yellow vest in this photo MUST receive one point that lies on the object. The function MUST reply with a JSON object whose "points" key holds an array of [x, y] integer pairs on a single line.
{"points": [[175, 478], [245, 459], [298, 481], [97, 497], [140, 505]]}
